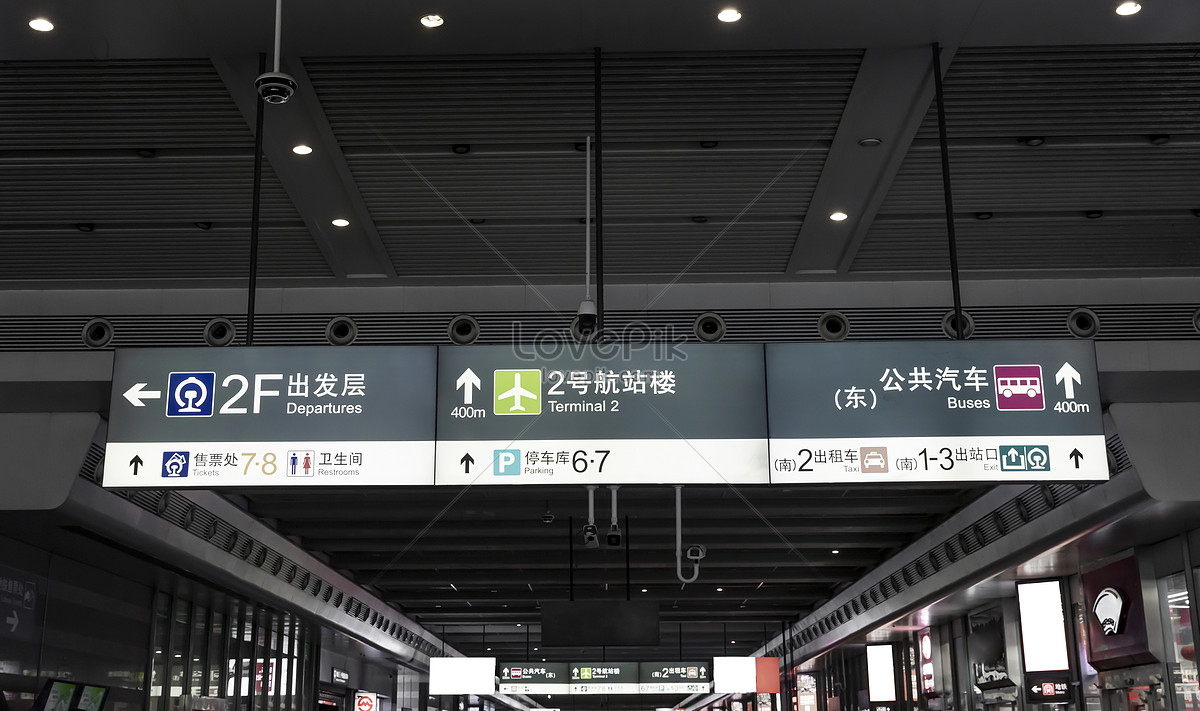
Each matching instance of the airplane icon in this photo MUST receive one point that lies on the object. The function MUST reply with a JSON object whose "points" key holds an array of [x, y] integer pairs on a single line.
{"points": [[512, 396]]}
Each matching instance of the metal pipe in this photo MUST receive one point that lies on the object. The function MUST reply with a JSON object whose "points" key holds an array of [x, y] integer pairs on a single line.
{"points": [[596, 84], [278, 31], [587, 224], [946, 189], [255, 209]]}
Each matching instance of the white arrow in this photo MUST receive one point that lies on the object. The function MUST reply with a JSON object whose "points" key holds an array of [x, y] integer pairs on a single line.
{"points": [[466, 382], [1069, 377], [13, 622], [136, 394]]}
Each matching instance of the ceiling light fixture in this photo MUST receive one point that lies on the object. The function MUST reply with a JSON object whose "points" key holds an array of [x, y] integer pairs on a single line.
{"points": [[839, 216], [1160, 139], [302, 150], [870, 142], [1093, 214], [835, 551], [461, 148], [432, 21], [983, 216], [41, 24], [518, 624], [1128, 8], [720, 589], [1031, 141], [729, 14], [206, 226], [86, 227], [645, 590], [709, 144], [341, 222]]}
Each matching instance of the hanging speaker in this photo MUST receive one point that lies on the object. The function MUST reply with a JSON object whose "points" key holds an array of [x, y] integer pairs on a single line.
{"points": [[97, 333], [219, 332], [1083, 323], [948, 325], [341, 331], [709, 327], [463, 330], [833, 326]]}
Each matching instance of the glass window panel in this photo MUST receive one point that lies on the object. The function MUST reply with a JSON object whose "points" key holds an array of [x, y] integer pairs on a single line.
{"points": [[216, 653], [180, 620], [1181, 658], [197, 648], [162, 628]]}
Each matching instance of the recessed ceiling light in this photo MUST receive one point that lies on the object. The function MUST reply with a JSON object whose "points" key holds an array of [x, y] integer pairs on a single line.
{"points": [[645, 590], [720, 589], [870, 142], [301, 150], [733, 641], [729, 14], [835, 551], [432, 21], [489, 649], [1031, 140], [1093, 214], [838, 216], [1129, 8], [341, 222], [518, 624], [41, 24]]}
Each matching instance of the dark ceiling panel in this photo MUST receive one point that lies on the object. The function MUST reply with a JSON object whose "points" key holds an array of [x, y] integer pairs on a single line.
{"points": [[123, 104], [1073, 91]]}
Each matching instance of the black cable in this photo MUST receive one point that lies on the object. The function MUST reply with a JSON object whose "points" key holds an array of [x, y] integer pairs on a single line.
{"points": [[941, 111], [255, 205]]}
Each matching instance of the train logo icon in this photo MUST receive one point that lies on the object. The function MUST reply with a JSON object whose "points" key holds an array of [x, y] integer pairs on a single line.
{"points": [[1019, 388], [190, 394]]}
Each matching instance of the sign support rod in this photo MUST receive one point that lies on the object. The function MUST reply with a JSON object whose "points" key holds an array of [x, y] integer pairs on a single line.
{"points": [[255, 206], [596, 84], [946, 189]]}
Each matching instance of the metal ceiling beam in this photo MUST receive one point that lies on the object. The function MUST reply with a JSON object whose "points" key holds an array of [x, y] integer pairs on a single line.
{"points": [[890, 98], [320, 184]]}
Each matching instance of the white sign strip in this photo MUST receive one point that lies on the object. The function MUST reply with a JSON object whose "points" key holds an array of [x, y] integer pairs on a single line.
{"points": [[603, 688], [694, 687], [866, 460], [616, 461], [216, 464], [510, 687]]}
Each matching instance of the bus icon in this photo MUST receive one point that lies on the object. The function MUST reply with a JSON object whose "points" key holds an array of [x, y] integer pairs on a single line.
{"points": [[1019, 387]]}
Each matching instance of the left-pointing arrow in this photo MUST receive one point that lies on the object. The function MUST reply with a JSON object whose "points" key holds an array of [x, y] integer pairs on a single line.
{"points": [[136, 394]]}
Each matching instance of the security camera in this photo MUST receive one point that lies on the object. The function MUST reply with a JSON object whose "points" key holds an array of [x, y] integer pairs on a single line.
{"points": [[275, 87], [547, 518], [591, 536], [583, 326], [696, 552], [614, 535]]}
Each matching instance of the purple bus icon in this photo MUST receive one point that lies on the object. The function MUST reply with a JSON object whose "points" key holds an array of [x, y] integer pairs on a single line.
{"points": [[1019, 387]]}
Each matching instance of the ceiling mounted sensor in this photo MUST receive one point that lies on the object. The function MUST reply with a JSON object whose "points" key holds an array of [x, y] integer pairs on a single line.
{"points": [[1083, 323], [341, 331], [219, 332], [833, 326], [1128, 8], [275, 87], [463, 330], [709, 327], [97, 333], [948, 326]]}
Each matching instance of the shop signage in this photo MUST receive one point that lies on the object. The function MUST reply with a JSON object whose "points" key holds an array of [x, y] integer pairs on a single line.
{"points": [[935, 411], [340, 676], [674, 678], [304, 416], [1116, 623]]}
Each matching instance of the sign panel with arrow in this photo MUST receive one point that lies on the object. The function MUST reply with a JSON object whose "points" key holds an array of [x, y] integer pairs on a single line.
{"points": [[977, 411], [218, 417], [18, 605]]}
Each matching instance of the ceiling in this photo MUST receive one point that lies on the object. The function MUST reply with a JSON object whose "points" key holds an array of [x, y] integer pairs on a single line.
{"points": [[127, 162]]}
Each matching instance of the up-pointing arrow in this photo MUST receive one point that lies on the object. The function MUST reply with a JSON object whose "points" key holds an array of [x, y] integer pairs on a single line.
{"points": [[136, 394], [467, 382], [1069, 377]]}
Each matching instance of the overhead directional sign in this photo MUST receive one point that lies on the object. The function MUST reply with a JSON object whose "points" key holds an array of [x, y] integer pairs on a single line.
{"points": [[604, 678], [653, 414], [18, 605], [271, 417], [675, 678], [531, 678], [935, 411]]}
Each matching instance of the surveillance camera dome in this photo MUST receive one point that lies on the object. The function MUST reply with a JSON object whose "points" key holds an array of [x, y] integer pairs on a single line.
{"points": [[696, 552], [275, 87], [547, 517]]}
